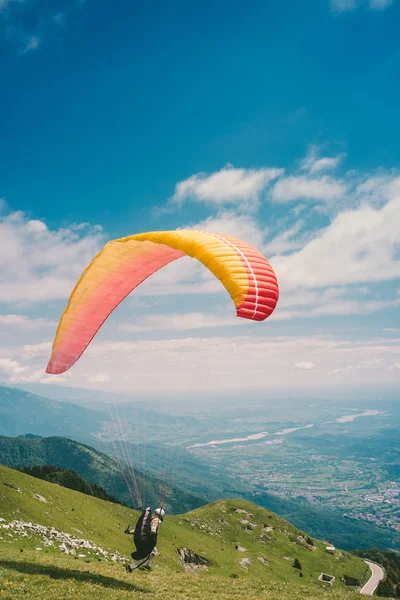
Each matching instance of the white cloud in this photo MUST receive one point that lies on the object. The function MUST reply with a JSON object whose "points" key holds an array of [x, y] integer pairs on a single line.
{"points": [[13, 371], [304, 365], [240, 226], [239, 187], [325, 164], [23, 323], [359, 246], [354, 307], [344, 300], [302, 187], [9, 369], [285, 241], [374, 189], [314, 163], [37, 264], [325, 271], [41, 350]]}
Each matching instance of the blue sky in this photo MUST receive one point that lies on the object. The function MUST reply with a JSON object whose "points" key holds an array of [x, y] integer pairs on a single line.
{"points": [[274, 121]]}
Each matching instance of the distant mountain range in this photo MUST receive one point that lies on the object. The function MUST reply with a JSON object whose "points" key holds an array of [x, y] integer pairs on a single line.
{"points": [[22, 412], [78, 413], [64, 393]]}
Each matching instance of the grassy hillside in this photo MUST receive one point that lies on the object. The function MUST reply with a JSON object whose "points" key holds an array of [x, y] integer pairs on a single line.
{"points": [[94, 466], [267, 546]]}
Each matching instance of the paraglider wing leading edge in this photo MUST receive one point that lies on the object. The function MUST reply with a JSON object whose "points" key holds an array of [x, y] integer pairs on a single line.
{"points": [[125, 263]]}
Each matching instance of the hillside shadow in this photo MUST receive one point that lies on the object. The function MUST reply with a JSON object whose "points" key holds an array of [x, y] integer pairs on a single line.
{"points": [[79, 576]]}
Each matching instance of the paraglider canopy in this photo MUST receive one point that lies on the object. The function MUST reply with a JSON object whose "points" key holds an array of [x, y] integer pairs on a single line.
{"points": [[125, 263]]}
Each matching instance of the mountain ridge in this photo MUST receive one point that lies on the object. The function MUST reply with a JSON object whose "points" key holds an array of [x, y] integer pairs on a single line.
{"points": [[94, 466]]}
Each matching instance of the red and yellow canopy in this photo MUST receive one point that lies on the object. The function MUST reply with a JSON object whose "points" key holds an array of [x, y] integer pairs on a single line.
{"points": [[125, 263]]}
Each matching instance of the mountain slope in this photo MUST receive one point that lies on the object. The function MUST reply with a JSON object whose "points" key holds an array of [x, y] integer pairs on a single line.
{"points": [[140, 417], [212, 532], [195, 485], [22, 412], [92, 465]]}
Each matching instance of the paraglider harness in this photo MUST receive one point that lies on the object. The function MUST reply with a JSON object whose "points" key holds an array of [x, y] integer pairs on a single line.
{"points": [[144, 535]]}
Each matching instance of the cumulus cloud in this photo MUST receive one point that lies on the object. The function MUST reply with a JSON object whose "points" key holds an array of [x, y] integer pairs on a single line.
{"points": [[360, 245], [14, 371], [37, 264], [325, 266], [10, 369], [302, 187], [315, 186], [239, 187]]}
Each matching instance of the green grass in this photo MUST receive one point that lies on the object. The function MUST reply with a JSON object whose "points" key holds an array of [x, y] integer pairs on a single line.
{"points": [[211, 531], [51, 578]]}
